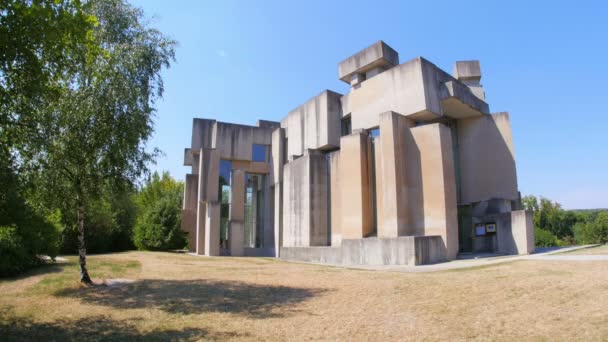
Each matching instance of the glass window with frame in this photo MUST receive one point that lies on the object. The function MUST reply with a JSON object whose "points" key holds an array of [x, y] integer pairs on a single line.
{"points": [[346, 127], [259, 153], [225, 197]]}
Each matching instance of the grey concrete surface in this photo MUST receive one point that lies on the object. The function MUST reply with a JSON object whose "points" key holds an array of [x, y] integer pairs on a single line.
{"points": [[545, 255]]}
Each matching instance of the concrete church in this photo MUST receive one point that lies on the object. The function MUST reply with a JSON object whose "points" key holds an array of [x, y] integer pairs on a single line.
{"points": [[409, 167]]}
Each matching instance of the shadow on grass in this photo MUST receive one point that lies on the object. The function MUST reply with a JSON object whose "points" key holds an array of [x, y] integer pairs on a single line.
{"points": [[42, 269], [198, 296], [97, 328]]}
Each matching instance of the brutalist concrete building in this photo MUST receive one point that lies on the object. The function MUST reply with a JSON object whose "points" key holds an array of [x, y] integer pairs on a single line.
{"points": [[409, 167]]}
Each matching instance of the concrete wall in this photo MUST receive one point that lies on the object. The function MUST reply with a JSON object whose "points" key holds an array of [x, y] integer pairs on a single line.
{"points": [[314, 125], [417, 89], [405, 250], [234, 142], [514, 231], [487, 159], [431, 185], [208, 182], [306, 202], [522, 229], [356, 196], [391, 173]]}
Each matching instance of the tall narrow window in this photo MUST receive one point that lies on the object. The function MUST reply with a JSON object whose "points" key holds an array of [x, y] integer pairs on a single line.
{"points": [[225, 190], [260, 153], [254, 210], [346, 126]]}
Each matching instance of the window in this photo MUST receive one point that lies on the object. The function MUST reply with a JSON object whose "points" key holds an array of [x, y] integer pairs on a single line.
{"points": [[254, 210], [346, 126], [374, 133], [225, 190], [259, 153]]}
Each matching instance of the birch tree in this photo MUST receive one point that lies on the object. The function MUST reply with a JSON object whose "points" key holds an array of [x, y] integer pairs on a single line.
{"points": [[96, 133]]}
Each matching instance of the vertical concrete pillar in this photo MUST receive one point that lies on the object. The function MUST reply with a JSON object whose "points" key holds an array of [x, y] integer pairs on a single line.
{"points": [[200, 228], [212, 229], [522, 229], [236, 238], [392, 190], [190, 210], [357, 215], [209, 168], [237, 212], [336, 198], [278, 218], [432, 172]]}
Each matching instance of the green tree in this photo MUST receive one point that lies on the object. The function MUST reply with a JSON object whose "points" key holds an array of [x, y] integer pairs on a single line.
{"points": [[95, 133], [159, 205], [594, 230]]}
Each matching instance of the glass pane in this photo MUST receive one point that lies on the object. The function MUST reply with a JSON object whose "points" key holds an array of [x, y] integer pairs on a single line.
{"points": [[254, 210], [346, 126], [259, 153], [374, 133]]}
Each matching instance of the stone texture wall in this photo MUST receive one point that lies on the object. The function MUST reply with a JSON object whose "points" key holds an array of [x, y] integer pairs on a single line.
{"points": [[487, 159]]}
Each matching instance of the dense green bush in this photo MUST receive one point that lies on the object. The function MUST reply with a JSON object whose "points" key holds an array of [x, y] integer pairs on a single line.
{"points": [[594, 230], [544, 238], [13, 257], [158, 225], [159, 228], [24, 233]]}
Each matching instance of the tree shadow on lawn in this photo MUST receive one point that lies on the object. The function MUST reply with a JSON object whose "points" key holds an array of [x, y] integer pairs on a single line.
{"points": [[96, 328], [198, 296], [42, 269]]}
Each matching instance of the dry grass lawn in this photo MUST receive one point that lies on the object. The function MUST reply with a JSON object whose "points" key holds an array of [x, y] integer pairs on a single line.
{"points": [[182, 297]]}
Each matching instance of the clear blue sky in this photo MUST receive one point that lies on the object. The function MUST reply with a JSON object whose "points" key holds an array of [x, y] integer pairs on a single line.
{"points": [[544, 62]]}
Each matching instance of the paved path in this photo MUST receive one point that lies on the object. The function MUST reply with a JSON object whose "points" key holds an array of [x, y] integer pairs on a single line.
{"points": [[542, 254]]}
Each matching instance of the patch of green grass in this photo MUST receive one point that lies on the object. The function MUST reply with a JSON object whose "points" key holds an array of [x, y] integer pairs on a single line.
{"points": [[69, 276]]}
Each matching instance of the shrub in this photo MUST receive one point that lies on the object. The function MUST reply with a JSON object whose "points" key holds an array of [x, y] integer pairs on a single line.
{"points": [[160, 227], [544, 238], [13, 257], [593, 231]]}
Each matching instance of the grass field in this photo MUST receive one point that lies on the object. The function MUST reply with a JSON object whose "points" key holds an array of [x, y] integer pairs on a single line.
{"points": [[182, 297], [599, 250]]}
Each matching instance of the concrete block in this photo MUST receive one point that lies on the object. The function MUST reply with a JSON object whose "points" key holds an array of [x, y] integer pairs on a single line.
{"points": [[392, 189], [212, 229], [356, 198], [377, 55], [236, 238], [522, 229], [486, 159], [315, 124], [208, 182], [306, 186], [467, 70], [405, 250], [432, 185]]}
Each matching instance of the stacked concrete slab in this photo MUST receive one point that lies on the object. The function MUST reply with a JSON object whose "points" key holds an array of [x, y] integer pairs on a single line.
{"points": [[403, 169]]}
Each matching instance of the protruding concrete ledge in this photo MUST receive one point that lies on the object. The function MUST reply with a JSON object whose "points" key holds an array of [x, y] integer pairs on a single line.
{"points": [[378, 55], [459, 101], [403, 250]]}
